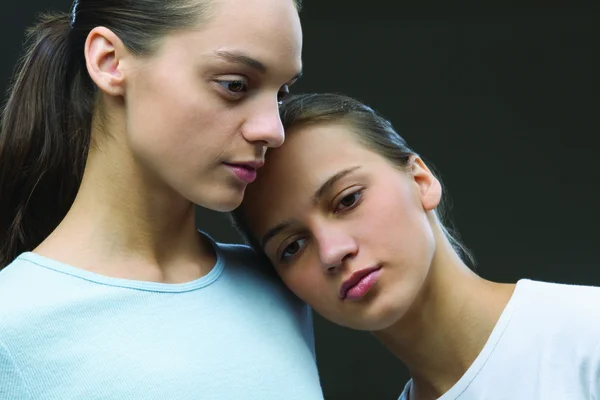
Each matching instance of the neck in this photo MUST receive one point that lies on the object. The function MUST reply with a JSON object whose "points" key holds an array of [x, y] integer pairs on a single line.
{"points": [[125, 223], [447, 326]]}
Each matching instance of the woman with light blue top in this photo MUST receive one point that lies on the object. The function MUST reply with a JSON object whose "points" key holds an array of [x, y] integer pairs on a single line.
{"points": [[124, 115]]}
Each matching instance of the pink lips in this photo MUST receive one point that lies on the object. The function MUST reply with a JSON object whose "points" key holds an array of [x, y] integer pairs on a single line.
{"points": [[245, 172], [359, 283]]}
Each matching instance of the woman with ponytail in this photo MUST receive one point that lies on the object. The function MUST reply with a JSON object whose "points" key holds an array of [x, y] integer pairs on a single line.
{"points": [[353, 222], [122, 116]]}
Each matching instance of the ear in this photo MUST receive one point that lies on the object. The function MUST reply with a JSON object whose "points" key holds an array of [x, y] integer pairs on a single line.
{"points": [[104, 53], [429, 187]]}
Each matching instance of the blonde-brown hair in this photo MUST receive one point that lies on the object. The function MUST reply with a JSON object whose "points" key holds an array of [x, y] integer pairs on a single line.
{"points": [[371, 130]]}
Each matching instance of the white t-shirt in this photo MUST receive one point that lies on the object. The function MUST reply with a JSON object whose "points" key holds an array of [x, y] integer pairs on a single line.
{"points": [[545, 346]]}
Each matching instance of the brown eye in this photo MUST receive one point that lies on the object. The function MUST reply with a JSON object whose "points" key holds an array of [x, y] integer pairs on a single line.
{"points": [[234, 87], [291, 250], [349, 201]]}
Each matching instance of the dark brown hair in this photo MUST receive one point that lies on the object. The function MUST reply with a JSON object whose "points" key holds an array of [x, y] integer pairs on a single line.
{"points": [[46, 123], [371, 129]]}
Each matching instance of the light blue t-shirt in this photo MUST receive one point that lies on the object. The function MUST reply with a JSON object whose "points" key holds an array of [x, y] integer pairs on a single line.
{"points": [[233, 334]]}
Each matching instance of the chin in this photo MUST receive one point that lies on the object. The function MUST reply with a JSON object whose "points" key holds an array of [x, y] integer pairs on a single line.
{"points": [[380, 314], [371, 323], [225, 208], [227, 202]]}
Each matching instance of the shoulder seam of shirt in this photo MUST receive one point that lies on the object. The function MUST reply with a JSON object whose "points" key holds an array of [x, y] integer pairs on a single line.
{"points": [[14, 362]]}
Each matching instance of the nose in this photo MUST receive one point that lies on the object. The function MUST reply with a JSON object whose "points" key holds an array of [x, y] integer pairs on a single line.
{"points": [[335, 247], [264, 125]]}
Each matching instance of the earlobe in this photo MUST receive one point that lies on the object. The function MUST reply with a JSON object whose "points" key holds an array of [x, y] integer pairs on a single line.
{"points": [[430, 188], [103, 54]]}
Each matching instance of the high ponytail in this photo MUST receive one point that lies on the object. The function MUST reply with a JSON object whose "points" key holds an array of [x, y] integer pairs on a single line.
{"points": [[44, 138]]}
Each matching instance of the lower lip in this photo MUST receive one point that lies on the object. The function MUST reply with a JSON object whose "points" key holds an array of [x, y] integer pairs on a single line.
{"points": [[363, 286], [246, 175]]}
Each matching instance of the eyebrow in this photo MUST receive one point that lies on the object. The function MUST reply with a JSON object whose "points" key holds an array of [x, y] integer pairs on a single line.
{"points": [[326, 186], [237, 57], [274, 231]]}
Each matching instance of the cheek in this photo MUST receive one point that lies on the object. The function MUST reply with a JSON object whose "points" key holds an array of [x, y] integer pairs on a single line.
{"points": [[174, 120], [395, 227], [313, 287], [163, 109], [308, 284]]}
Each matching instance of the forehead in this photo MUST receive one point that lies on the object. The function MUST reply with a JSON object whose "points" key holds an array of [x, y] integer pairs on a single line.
{"points": [[269, 29], [314, 150], [293, 172]]}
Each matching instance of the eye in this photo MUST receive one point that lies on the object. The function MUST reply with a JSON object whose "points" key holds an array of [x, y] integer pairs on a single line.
{"points": [[349, 201], [235, 87], [291, 250], [283, 92]]}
